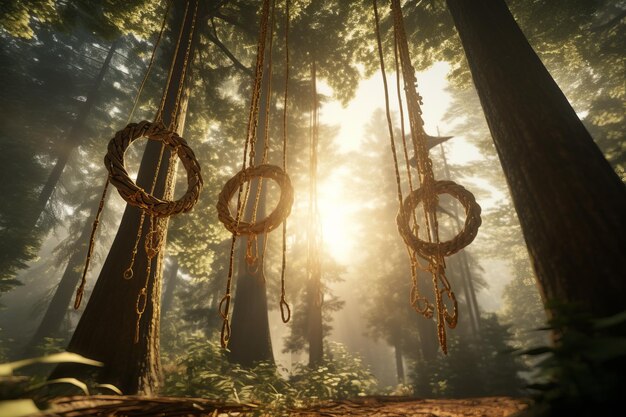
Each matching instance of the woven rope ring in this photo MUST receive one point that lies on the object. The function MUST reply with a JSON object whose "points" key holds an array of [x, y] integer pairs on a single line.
{"points": [[449, 247], [137, 196], [275, 218]]}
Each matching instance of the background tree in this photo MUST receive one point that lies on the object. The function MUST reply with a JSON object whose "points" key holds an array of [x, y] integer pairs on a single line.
{"points": [[107, 334], [539, 106]]}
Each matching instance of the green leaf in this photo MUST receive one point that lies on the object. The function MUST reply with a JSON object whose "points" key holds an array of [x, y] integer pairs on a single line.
{"points": [[604, 349], [6, 369], [72, 381], [610, 321], [18, 408], [110, 387]]}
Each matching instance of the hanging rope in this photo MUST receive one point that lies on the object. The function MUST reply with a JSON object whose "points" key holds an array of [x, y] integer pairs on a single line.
{"points": [[432, 249], [157, 208], [314, 268], [128, 273], [137, 196], [285, 310], [234, 223], [155, 238], [81, 288]]}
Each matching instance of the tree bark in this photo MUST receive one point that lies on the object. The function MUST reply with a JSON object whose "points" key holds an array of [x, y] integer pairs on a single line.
{"points": [[106, 330], [570, 203], [250, 340]]}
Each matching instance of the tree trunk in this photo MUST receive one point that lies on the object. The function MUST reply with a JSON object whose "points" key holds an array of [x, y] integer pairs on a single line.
{"points": [[250, 340], [569, 201], [315, 332], [106, 331], [468, 282], [172, 282], [466, 274], [399, 363], [426, 328], [57, 309], [73, 137]]}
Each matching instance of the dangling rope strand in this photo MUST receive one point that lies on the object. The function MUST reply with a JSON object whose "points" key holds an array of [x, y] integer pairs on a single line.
{"points": [[387, 109], [433, 250], [81, 288], [158, 225], [128, 273], [252, 245], [224, 305], [175, 119], [285, 311], [159, 115], [313, 229], [94, 228], [150, 63]]}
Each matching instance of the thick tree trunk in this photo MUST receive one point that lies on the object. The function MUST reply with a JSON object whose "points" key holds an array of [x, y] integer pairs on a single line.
{"points": [[250, 340], [570, 203], [73, 137], [106, 331]]}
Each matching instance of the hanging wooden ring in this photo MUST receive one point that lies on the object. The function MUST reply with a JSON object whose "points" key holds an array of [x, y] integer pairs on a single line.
{"points": [[276, 217], [462, 239], [137, 196]]}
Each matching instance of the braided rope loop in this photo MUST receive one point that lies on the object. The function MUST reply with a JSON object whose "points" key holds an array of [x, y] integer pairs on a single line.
{"points": [[137, 196], [275, 218], [465, 236]]}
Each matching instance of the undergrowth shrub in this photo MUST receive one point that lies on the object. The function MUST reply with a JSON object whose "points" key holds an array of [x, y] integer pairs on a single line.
{"points": [[204, 371]]}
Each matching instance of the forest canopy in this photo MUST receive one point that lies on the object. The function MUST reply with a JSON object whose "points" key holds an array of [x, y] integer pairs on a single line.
{"points": [[520, 103]]}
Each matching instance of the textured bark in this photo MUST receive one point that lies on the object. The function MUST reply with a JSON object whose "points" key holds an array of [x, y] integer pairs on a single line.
{"points": [[570, 203], [172, 282], [106, 329], [250, 340]]}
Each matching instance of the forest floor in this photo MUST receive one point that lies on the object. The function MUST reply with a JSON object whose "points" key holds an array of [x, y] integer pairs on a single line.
{"points": [[380, 406]]}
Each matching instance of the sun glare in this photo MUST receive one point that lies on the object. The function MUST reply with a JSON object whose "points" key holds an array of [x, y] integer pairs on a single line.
{"points": [[336, 211], [337, 208]]}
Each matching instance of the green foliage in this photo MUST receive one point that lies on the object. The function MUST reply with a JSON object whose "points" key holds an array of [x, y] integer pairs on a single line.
{"points": [[523, 311], [583, 373], [204, 371], [474, 367], [17, 16], [19, 395], [50, 345], [342, 375], [7, 369]]}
